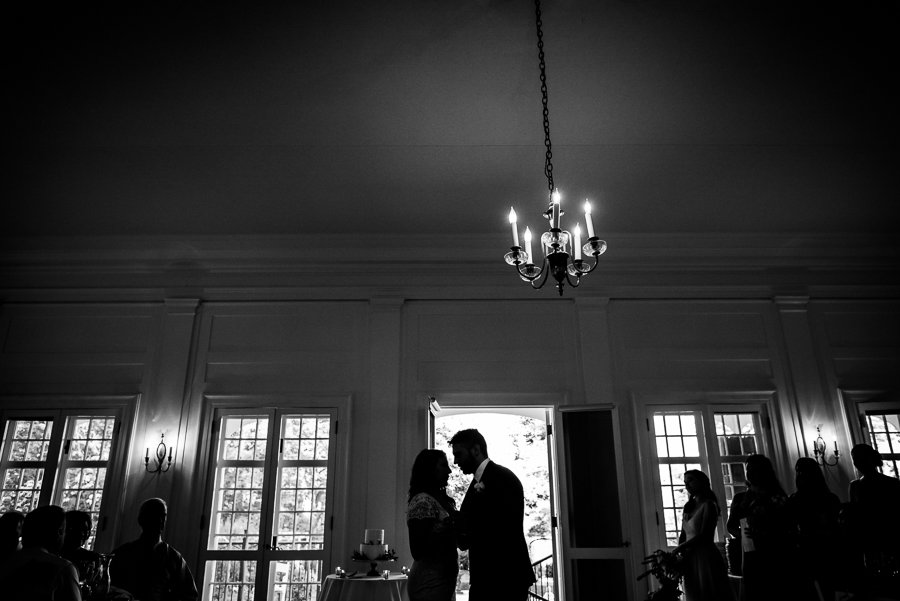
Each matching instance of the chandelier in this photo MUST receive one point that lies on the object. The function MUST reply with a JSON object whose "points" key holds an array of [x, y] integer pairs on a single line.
{"points": [[562, 251]]}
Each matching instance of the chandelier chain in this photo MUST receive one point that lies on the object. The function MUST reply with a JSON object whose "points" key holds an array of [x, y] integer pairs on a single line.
{"points": [[548, 160]]}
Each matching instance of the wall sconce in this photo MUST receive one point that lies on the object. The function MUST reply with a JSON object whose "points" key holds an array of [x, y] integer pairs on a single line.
{"points": [[161, 450], [819, 449]]}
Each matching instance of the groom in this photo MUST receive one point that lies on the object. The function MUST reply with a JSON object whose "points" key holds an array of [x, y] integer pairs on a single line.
{"points": [[492, 511]]}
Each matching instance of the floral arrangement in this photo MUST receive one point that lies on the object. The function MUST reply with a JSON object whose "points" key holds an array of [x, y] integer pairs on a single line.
{"points": [[391, 555], [666, 568]]}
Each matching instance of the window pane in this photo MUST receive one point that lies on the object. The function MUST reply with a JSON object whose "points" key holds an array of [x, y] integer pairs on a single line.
{"points": [[300, 521], [229, 581], [244, 439], [884, 436], [21, 489], [84, 467], [26, 443], [30, 440], [237, 498], [295, 580]]}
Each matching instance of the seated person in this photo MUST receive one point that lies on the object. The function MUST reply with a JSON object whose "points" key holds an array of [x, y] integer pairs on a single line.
{"points": [[36, 572], [91, 566], [149, 568], [10, 534]]}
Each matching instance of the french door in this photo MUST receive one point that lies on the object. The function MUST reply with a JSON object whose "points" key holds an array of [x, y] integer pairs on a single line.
{"points": [[268, 535]]}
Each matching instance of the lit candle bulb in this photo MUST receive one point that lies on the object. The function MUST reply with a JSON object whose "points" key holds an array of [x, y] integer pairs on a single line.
{"points": [[528, 245], [587, 218], [577, 243], [554, 223], [512, 220]]}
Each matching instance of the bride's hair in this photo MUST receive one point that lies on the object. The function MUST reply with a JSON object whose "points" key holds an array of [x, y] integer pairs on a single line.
{"points": [[423, 477]]}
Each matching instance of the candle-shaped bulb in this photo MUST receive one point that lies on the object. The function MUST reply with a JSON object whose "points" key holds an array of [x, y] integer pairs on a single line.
{"points": [[513, 218], [577, 243], [528, 245], [589, 222], [555, 197]]}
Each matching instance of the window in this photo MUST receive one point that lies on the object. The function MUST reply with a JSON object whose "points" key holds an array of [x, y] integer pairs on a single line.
{"points": [[712, 441], [884, 436], [268, 536], [61, 459]]}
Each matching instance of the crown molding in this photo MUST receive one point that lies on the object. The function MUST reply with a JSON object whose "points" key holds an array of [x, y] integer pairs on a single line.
{"points": [[312, 267]]}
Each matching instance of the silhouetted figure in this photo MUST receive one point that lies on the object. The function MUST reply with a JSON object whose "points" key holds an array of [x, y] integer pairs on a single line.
{"points": [[875, 521], [10, 534], [92, 573], [493, 512], [430, 517], [37, 572], [149, 568], [815, 509], [760, 516], [704, 570]]}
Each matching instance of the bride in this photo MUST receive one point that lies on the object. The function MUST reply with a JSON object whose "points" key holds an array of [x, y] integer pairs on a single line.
{"points": [[430, 516]]}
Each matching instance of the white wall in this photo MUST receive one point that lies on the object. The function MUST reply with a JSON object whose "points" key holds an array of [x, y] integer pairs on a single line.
{"points": [[173, 339]]}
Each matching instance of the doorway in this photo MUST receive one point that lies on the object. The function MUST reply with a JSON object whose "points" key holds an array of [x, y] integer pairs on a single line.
{"points": [[519, 439]]}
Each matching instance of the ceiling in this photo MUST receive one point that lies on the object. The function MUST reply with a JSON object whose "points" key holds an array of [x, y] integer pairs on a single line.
{"points": [[422, 116]]}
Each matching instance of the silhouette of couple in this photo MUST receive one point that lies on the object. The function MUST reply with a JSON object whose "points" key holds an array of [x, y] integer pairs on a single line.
{"points": [[488, 524]]}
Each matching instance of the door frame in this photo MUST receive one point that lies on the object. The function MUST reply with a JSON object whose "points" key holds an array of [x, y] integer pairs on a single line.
{"points": [[534, 405]]}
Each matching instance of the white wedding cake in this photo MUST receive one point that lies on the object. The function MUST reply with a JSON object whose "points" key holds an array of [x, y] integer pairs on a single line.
{"points": [[374, 546]]}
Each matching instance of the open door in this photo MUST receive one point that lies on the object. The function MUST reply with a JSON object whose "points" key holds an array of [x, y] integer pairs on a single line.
{"points": [[520, 438], [597, 555]]}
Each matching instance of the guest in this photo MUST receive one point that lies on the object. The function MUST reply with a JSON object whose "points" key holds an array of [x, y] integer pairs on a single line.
{"points": [[148, 568], [704, 571], [432, 537], [10, 534], [760, 516], [874, 499], [36, 572], [91, 567], [493, 514], [815, 510]]}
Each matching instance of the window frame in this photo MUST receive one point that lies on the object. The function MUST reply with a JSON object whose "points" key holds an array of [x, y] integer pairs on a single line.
{"points": [[859, 404], [61, 408], [706, 406], [216, 406]]}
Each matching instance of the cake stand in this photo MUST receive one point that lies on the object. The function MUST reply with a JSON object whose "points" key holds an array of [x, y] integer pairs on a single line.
{"points": [[373, 563]]}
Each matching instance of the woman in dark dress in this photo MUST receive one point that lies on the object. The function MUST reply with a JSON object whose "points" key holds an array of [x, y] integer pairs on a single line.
{"points": [[815, 509], [761, 518], [430, 516]]}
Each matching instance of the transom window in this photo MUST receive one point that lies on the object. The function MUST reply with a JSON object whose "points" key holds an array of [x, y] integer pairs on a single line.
{"points": [[714, 442], [271, 495]]}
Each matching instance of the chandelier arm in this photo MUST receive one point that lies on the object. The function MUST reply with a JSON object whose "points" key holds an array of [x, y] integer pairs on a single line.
{"points": [[546, 271], [526, 275]]}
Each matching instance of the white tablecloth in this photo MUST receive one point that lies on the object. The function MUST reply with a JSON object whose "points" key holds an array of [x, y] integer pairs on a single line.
{"points": [[364, 589]]}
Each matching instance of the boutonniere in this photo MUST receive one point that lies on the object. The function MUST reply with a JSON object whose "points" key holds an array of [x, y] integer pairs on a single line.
{"points": [[479, 486]]}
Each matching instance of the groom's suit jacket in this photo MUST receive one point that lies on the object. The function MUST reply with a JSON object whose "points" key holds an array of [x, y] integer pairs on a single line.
{"points": [[498, 554]]}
